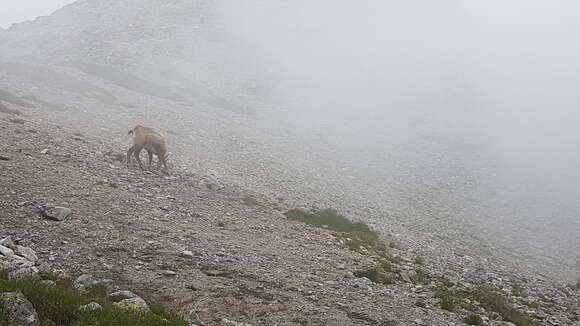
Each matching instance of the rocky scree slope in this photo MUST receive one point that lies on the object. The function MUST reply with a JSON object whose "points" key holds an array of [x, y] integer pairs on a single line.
{"points": [[193, 242], [103, 65]]}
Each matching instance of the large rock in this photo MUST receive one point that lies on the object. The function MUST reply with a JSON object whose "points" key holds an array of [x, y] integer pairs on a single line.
{"points": [[5, 251], [87, 282], [135, 304], [122, 295], [18, 309], [8, 242], [25, 273], [26, 253], [14, 262], [56, 213]]}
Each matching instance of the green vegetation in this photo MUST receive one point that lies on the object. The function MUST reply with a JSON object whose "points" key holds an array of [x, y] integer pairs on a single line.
{"points": [[59, 305], [372, 273], [489, 299], [381, 274], [450, 298], [357, 234], [419, 260], [492, 300], [473, 319], [421, 277], [577, 285]]}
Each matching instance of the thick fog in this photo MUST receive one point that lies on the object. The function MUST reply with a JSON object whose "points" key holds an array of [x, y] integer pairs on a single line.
{"points": [[484, 92]]}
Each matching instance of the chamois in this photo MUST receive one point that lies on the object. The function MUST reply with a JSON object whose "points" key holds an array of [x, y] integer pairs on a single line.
{"points": [[152, 142]]}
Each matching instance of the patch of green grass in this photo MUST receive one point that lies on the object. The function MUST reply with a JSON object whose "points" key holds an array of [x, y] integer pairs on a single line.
{"points": [[473, 319], [372, 273], [449, 298], [112, 315], [377, 274], [421, 277], [388, 267], [357, 234], [59, 305], [419, 260], [4, 275], [492, 300]]}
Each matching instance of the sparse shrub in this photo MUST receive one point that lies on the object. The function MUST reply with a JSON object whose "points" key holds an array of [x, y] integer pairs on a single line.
{"points": [[577, 285], [421, 277], [59, 305], [449, 298], [393, 245], [372, 273], [357, 234], [387, 266], [473, 319], [494, 301], [388, 279], [419, 260], [249, 201]]}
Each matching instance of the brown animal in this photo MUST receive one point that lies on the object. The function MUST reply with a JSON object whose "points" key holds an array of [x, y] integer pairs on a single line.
{"points": [[152, 142]]}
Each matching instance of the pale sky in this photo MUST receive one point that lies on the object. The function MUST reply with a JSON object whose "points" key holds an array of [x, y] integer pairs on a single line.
{"points": [[16, 11]]}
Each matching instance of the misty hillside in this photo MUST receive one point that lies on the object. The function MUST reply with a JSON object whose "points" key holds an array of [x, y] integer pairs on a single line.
{"points": [[409, 132], [170, 49]]}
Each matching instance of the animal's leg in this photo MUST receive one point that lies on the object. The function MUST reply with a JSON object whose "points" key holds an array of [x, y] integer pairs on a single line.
{"points": [[129, 153], [136, 153], [163, 160], [150, 157]]}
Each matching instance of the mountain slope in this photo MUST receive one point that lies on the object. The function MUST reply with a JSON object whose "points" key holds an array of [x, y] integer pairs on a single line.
{"points": [[164, 44]]}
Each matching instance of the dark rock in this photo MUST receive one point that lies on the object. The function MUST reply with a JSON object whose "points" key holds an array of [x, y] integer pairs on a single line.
{"points": [[18, 309]]}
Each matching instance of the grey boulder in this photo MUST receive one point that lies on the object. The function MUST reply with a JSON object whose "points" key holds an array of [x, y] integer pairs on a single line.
{"points": [[18, 309]]}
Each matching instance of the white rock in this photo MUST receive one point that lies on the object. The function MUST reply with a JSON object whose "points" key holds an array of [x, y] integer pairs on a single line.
{"points": [[26, 253], [5, 251]]}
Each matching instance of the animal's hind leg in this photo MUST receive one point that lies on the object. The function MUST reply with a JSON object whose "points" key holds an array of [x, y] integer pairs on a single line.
{"points": [[163, 160], [136, 153]]}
